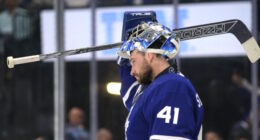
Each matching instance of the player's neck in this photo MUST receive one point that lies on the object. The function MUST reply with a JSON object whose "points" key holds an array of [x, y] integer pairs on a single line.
{"points": [[158, 68]]}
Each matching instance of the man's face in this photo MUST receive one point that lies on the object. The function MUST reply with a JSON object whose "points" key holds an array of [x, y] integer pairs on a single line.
{"points": [[212, 136], [76, 116], [141, 70], [10, 4]]}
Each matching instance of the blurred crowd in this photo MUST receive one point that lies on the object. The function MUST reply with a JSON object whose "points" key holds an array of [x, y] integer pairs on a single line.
{"points": [[228, 113], [75, 129]]}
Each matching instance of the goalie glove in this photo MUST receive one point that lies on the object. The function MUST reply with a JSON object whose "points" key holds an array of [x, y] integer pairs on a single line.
{"points": [[123, 61]]}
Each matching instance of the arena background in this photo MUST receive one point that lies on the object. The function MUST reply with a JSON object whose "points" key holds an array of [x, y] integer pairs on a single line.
{"points": [[27, 91]]}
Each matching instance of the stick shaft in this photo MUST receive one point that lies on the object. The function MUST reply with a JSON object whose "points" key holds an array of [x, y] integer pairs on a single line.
{"points": [[79, 51], [11, 62]]}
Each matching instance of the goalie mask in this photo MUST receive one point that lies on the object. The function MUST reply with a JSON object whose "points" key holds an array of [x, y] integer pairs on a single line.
{"points": [[151, 37]]}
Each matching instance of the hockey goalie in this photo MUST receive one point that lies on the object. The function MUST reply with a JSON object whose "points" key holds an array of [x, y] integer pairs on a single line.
{"points": [[162, 103]]}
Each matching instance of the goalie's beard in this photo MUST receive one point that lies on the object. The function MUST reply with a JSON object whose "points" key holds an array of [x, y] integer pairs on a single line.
{"points": [[145, 77]]}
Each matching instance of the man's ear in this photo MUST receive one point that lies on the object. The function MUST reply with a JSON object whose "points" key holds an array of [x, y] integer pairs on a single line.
{"points": [[149, 57]]}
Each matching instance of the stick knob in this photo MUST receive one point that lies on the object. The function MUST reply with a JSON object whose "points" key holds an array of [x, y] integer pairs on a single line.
{"points": [[11, 62]]}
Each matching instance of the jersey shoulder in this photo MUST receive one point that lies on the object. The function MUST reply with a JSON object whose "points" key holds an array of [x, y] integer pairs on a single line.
{"points": [[169, 87], [172, 82]]}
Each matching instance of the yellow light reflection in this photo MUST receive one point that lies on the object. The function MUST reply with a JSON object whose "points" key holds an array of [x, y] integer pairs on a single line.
{"points": [[114, 88]]}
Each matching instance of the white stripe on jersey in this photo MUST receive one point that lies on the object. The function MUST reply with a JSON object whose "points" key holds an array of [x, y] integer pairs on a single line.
{"points": [[200, 133], [179, 73], [162, 137], [125, 98]]}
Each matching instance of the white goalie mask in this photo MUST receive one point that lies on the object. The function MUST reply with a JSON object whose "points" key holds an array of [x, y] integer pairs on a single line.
{"points": [[151, 37]]}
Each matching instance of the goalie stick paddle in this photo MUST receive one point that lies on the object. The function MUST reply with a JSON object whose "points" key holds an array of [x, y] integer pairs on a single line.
{"points": [[236, 27]]}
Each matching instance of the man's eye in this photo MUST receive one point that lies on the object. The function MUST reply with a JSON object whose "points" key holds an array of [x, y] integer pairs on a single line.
{"points": [[132, 62]]}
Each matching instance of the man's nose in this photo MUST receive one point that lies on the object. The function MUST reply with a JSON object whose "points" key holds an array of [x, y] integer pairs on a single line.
{"points": [[132, 71]]}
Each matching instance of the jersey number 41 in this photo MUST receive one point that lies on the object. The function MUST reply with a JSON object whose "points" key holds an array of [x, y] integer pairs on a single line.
{"points": [[165, 113]]}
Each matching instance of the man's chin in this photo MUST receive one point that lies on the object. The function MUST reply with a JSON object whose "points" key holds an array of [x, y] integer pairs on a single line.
{"points": [[142, 82], [138, 80]]}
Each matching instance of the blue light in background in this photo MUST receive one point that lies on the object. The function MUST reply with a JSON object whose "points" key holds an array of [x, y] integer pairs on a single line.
{"points": [[110, 18]]}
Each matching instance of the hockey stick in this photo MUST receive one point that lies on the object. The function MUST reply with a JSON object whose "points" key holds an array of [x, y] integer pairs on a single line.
{"points": [[236, 27], [11, 62]]}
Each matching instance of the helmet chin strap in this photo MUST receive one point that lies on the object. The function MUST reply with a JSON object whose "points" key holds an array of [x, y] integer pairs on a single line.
{"points": [[157, 51]]}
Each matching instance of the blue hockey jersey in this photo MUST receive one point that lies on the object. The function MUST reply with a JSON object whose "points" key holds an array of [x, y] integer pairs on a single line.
{"points": [[167, 109]]}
